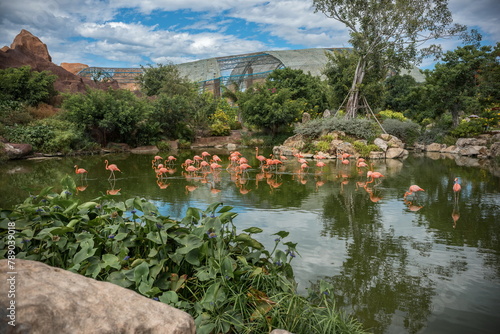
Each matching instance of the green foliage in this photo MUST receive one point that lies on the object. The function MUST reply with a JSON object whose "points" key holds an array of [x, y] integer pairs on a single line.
{"points": [[13, 113], [407, 131], [173, 114], [358, 127], [323, 146], [364, 149], [24, 85], [491, 116], [223, 120], [113, 115], [463, 81], [389, 114], [282, 99], [224, 278], [470, 128], [389, 34], [50, 135], [398, 92], [270, 109], [163, 146], [310, 89], [165, 79]]}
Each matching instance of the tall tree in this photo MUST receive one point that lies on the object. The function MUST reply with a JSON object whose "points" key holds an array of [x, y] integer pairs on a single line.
{"points": [[165, 79], [391, 32], [466, 81]]}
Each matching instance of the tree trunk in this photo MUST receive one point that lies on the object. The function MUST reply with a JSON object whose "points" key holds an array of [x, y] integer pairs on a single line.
{"points": [[354, 96], [455, 120]]}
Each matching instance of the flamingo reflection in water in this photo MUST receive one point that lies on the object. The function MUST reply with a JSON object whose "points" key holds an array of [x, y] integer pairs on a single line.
{"points": [[113, 191], [455, 214]]}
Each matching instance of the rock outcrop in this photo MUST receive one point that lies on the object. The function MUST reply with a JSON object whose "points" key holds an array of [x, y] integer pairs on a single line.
{"points": [[15, 151], [484, 146], [52, 300], [28, 50], [27, 43], [74, 67]]}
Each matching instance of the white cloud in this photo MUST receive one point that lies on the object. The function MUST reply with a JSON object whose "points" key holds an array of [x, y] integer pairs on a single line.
{"points": [[121, 30]]}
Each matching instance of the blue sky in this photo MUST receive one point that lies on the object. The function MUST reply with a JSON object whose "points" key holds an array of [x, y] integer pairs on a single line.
{"points": [[130, 33]]}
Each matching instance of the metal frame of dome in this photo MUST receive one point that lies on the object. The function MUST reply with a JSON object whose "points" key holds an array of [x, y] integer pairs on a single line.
{"points": [[238, 70]]}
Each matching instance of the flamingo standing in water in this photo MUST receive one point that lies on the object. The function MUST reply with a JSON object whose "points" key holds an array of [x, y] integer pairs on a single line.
{"points": [[80, 171], [113, 168], [373, 176], [413, 189], [456, 189], [261, 158]]}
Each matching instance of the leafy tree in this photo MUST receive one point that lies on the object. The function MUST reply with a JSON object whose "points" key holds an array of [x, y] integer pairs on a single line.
{"points": [[280, 100], [397, 91], [302, 86], [388, 33], [270, 109], [174, 115], [113, 115], [24, 85], [339, 71], [466, 80], [165, 79]]}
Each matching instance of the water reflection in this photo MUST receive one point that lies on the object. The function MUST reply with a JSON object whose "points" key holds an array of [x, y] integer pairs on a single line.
{"points": [[398, 263]]}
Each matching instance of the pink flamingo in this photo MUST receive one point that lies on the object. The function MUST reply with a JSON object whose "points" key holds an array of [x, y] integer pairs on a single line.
{"points": [[171, 159], [456, 189], [113, 168], [80, 171], [320, 164], [205, 155], [413, 189], [191, 169], [155, 159], [261, 158], [373, 175]]}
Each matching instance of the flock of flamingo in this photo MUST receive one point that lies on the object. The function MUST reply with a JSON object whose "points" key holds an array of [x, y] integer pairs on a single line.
{"points": [[200, 166]]}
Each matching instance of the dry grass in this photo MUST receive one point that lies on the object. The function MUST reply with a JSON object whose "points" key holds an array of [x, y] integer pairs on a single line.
{"points": [[42, 111]]}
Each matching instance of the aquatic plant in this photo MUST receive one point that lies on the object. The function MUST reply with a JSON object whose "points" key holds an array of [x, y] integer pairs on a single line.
{"points": [[224, 278]]}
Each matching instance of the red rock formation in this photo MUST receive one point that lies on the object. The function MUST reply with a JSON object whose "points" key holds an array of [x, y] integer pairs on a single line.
{"points": [[29, 50], [27, 43], [73, 67]]}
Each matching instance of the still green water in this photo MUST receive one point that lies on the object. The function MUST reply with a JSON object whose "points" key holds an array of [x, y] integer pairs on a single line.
{"points": [[428, 265]]}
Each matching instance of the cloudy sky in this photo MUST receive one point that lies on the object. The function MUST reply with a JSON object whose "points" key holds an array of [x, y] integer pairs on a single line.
{"points": [[130, 33]]}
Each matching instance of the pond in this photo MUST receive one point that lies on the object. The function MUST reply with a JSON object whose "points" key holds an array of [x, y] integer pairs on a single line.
{"points": [[427, 264]]}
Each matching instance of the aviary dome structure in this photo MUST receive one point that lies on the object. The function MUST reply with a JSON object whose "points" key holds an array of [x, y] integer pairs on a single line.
{"points": [[235, 71]]}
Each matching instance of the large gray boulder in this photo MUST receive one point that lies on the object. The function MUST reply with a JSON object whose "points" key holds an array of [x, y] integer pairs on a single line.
{"points": [[16, 151], [52, 300]]}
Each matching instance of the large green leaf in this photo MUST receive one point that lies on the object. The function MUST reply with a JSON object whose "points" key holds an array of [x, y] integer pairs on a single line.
{"points": [[87, 250], [190, 242], [141, 273], [227, 267], [119, 278], [110, 260]]}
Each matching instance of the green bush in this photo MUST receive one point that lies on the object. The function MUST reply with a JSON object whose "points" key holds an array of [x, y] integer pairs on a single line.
{"points": [[407, 131], [14, 112], [469, 128], [112, 115], [224, 278], [50, 135], [389, 114], [21, 84], [323, 146], [359, 127], [365, 149]]}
